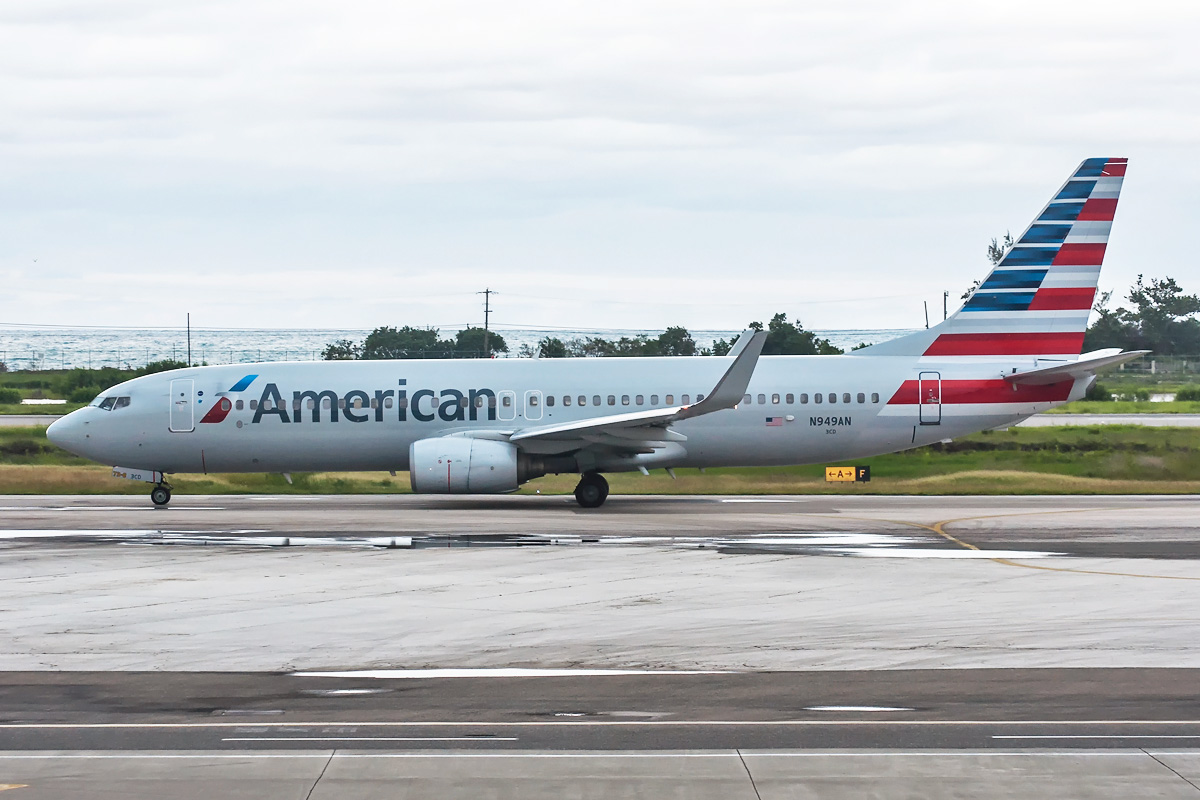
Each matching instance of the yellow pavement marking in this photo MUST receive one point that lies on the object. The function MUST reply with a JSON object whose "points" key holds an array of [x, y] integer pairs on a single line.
{"points": [[940, 529], [4, 787]]}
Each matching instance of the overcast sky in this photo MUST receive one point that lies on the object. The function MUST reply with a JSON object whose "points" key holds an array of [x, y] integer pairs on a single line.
{"points": [[263, 163]]}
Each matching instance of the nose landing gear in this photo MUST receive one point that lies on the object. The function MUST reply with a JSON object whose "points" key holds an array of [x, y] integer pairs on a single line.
{"points": [[160, 495], [592, 490]]}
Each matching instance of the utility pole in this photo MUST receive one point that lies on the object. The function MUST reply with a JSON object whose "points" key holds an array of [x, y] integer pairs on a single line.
{"points": [[189, 327], [487, 314]]}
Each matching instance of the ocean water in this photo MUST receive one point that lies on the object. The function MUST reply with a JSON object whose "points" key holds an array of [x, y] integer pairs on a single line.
{"points": [[64, 348]]}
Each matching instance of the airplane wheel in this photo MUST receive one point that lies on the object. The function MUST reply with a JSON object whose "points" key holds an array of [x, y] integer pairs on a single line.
{"points": [[592, 490], [160, 495]]}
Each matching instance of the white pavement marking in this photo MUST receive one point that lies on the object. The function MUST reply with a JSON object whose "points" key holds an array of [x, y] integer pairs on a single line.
{"points": [[371, 739], [324, 754], [1104, 736], [500, 672], [110, 508], [857, 708], [818, 723], [759, 500]]}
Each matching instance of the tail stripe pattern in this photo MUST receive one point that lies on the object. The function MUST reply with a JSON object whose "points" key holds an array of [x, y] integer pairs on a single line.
{"points": [[1036, 300]]}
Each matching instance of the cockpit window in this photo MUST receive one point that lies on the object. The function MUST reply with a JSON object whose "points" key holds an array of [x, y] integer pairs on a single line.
{"points": [[122, 402], [108, 403], [99, 399]]}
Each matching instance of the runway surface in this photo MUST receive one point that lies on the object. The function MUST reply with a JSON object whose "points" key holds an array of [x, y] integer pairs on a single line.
{"points": [[521, 647]]}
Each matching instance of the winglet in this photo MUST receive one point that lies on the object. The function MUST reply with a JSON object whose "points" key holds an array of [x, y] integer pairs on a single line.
{"points": [[729, 390]]}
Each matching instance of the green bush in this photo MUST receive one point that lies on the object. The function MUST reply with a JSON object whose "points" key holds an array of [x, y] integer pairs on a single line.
{"points": [[83, 394], [1098, 391], [9, 397], [1190, 392]]}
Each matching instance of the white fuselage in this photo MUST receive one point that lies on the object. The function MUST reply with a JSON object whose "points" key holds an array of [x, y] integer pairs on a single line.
{"points": [[390, 404]]}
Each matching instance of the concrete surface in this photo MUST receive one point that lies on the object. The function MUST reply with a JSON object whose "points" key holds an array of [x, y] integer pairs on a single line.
{"points": [[741, 596], [727, 775]]}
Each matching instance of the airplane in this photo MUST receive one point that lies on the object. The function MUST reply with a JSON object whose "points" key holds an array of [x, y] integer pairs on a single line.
{"points": [[487, 426]]}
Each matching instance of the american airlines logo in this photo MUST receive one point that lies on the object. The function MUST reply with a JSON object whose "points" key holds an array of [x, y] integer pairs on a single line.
{"points": [[361, 405]]}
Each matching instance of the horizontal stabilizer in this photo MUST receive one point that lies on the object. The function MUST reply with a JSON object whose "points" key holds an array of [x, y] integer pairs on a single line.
{"points": [[1086, 366]]}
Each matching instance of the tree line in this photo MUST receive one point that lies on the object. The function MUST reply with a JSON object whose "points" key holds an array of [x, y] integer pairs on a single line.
{"points": [[783, 338]]}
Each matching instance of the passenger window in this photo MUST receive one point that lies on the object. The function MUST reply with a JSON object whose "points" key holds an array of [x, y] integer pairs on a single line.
{"points": [[108, 403], [762, 399], [387, 402], [533, 400], [549, 399], [566, 399], [506, 401], [612, 399], [874, 397], [375, 402], [862, 398], [595, 399], [253, 405], [435, 401], [624, 399], [403, 402], [670, 399], [845, 397], [699, 397], [312, 404], [818, 397], [122, 402], [790, 399], [833, 397], [239, 405], [653, 399], [583, 400], [464, 402], [478, 401], [804, 398], [686, 399], [640, 400], [746, 399], [295, 403], [325, 403], [775, 399], [491, 401]]}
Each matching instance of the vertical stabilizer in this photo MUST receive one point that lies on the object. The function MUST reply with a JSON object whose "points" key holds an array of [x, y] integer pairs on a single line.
{"points": [[1036, 301]]}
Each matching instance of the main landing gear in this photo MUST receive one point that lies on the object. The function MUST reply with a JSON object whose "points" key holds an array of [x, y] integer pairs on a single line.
{"points": [[160, 495], [592, 490]]}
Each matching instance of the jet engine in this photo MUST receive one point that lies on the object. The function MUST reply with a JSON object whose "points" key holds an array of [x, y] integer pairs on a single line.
{"points": [[462, 465]]}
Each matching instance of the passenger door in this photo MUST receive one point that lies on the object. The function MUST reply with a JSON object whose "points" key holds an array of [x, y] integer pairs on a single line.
{"points": [[183, 406], [929, 398]]}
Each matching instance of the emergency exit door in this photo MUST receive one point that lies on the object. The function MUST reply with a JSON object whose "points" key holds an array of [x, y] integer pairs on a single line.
{"points": [[183, 406], [929, 398]]}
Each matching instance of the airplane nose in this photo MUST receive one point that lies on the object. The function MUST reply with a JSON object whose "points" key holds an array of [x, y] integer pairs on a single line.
{"points": [[65, 431]]}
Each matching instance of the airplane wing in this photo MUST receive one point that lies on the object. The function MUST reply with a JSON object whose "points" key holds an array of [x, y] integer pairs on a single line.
{"points": [[648, 426], [1084, 367]]}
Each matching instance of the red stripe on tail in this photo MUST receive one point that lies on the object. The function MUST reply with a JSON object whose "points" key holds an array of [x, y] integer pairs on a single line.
{"points": [[1006, 344], [1080, 254], [1101, 209], [1062, 299]]}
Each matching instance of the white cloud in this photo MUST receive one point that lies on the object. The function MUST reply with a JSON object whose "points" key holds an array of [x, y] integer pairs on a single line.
{"points": [[256, 161]]}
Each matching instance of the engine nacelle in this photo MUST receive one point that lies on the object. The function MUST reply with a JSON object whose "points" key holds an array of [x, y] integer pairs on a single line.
{"points": [[459, 465]]}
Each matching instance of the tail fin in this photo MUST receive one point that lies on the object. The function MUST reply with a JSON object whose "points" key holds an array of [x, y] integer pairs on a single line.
{"points": [[1037, 299]]}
